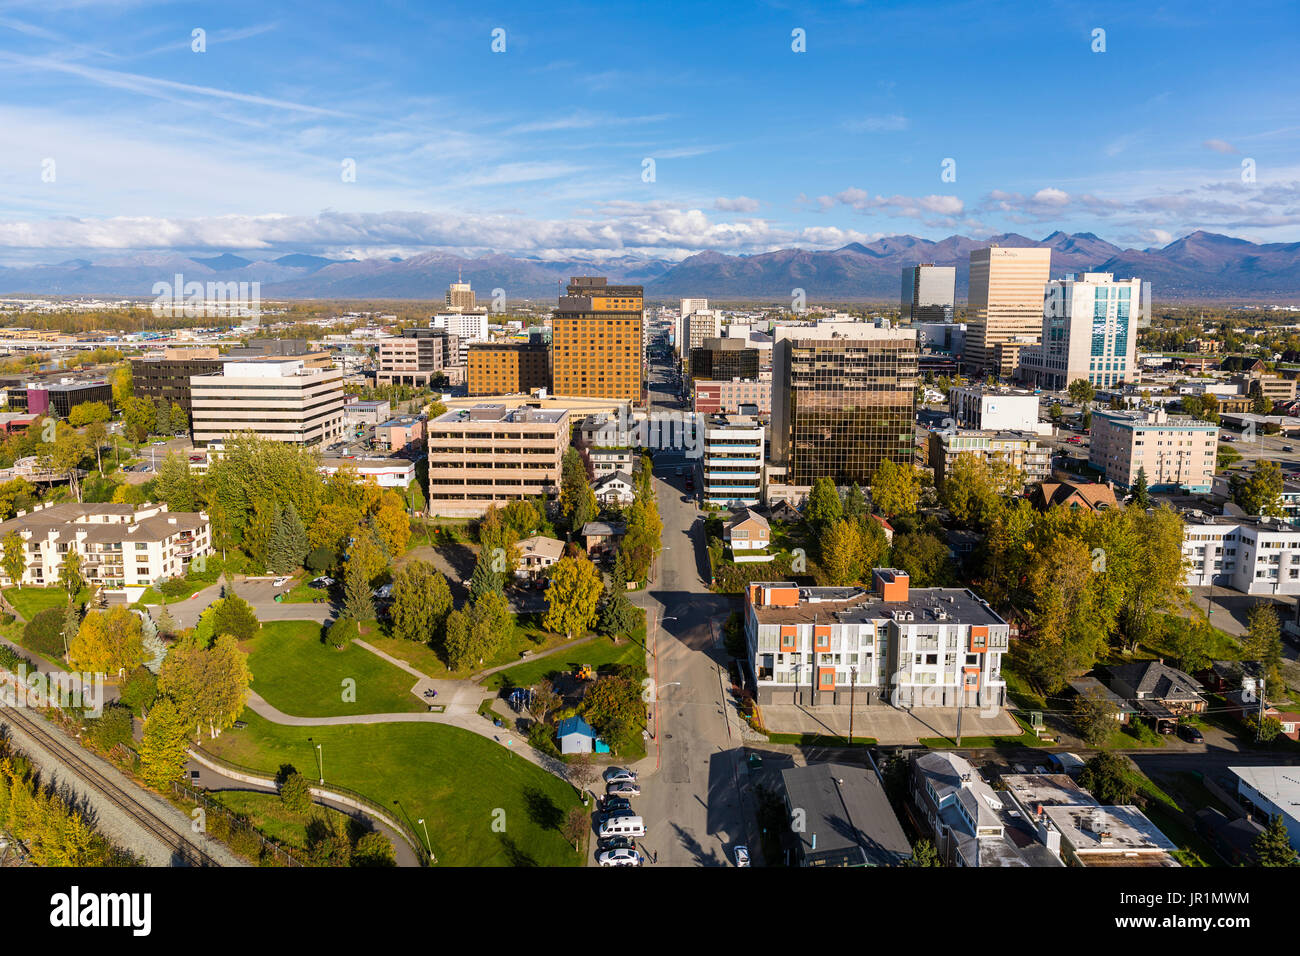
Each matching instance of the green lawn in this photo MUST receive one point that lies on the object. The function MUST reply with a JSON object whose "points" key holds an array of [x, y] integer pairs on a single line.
{"points": [[298, 674], [598, 653], [459, 782], [528, 636], [30, 601], [269, 815]]}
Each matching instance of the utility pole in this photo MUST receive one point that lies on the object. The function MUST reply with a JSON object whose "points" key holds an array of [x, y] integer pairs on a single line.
{"points": [[1259, 723], [853, 686], [961, 694]]}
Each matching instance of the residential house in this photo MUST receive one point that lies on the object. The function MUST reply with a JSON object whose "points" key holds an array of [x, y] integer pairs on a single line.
{"points": [[615, 488], [602, 537], [1271, 792], [747, 531], [1086, 495], [1162, 694], [845, 818], [1091, 687], [1234, 840], [536, 555]]}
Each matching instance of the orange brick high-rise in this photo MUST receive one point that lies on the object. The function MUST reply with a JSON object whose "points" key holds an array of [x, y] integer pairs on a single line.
{"points": [[596, 349]]}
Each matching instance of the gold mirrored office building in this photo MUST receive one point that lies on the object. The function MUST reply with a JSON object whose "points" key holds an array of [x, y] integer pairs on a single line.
{"points": [[843, 400]]}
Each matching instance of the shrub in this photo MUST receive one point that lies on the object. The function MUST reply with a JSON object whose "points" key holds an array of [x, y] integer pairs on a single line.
{"points": [[539, 736], [112, 728], [174, 588], [6, 618], [342, 632], [44, 632], [295, 793]]}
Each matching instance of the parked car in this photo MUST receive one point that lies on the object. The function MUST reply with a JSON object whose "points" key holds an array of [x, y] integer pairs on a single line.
{"points": [[321, 582], [623, 788], [280, 582], [616, 805], [624, 856], [616, 843], [1191, 734], [613, 774]]}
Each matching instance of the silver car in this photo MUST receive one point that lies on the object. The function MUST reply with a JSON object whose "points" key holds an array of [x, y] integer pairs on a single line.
{"points": [[623, 856], [623, 788], [615, 774]]}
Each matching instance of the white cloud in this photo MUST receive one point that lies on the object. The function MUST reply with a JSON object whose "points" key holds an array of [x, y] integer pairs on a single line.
{"points": [[739, 204], [877, 124], [1219, 146]]}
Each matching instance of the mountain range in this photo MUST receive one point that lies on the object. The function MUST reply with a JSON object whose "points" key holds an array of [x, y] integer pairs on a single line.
{"points": [[1202, 266]]}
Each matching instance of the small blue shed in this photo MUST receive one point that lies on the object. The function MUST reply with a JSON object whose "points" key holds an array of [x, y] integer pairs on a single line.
{"points": [[577, 737]]}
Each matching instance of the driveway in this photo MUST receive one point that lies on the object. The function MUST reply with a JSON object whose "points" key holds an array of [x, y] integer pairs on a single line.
{"points": [[888, 725]]}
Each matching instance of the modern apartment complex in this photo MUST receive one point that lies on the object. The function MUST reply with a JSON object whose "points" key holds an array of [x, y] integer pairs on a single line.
{"points": [[596, 341], [929, 292], [508, 368], [1175, 452], [846, 400], [1020, 449], [120, 545], [832, 646], [277, 400], [733, 461], [417, 358], [1251, 555], [1089, 331], [1005, 306], [490, 454]]}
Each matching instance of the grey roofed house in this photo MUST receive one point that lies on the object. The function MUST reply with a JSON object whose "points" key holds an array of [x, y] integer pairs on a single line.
{"points": [[1154, 680], [847, 818], [1085, 686]]}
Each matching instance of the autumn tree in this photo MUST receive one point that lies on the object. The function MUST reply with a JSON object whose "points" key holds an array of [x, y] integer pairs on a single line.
{"points": [[108, 642], [14, 560], [896, 489], [577, 500], [572, 596], [163, 745], [842, 552]]}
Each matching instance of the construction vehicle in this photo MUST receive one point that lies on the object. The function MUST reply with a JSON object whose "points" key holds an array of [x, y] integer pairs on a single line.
{"points": [[584, 672]]}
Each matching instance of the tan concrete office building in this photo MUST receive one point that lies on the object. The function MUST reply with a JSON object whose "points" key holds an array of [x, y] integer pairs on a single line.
{"points": [[280, 401], [491, 454], [1004, 306], [1175, 452]]}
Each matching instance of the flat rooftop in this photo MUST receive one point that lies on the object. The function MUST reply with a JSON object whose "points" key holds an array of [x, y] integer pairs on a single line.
{"points": [[857, 606]]}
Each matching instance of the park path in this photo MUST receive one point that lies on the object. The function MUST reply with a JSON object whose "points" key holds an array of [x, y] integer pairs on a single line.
{"points": [[473, 722]]}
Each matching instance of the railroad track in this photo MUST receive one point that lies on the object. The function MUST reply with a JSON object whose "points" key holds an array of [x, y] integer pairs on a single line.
{"points": [[142, 815]]}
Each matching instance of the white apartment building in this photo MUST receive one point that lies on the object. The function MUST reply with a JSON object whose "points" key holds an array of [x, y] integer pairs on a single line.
{"points": [[1089, 332], [832, 646], [733, 461], [698, 326], [1251, 555], [1174, 451], [120, 545], [996, 409], [280, 401], [466, 326]]}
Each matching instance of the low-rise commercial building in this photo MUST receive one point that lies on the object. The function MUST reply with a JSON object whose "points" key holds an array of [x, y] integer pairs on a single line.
{"points": [[385, 472], [844, 817], [417, 358], [736, 397], [996, 409], [490, 454]]}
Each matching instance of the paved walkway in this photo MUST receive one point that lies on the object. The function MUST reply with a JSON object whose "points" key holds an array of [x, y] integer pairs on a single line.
{"points": [[888, 725]]}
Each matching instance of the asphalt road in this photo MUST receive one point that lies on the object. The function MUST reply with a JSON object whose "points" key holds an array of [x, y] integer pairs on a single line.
{"points": [[691, 798]]}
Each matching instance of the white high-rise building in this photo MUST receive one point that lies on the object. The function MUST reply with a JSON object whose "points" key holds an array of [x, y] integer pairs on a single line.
{"points": [[1089, 332], [466, 326]]}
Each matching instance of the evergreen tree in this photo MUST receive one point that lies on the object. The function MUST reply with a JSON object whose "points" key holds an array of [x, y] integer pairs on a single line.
{"points": [[824, 506], [358, 603], [71, 623], [855, 502], [484, 579], [279, 559], [1141, 496], [1273, 846], [616, 614], [295, 535]]}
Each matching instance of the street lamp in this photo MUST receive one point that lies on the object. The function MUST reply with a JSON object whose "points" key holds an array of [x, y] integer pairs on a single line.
{"points": [[427, 842], [320, 759]]}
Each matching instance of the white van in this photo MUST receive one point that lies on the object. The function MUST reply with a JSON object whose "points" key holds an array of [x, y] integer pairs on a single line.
{"points": [[622, 826]]}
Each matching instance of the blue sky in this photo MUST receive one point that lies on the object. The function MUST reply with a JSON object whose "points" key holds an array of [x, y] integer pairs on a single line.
{"points": [[117, 137]]}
